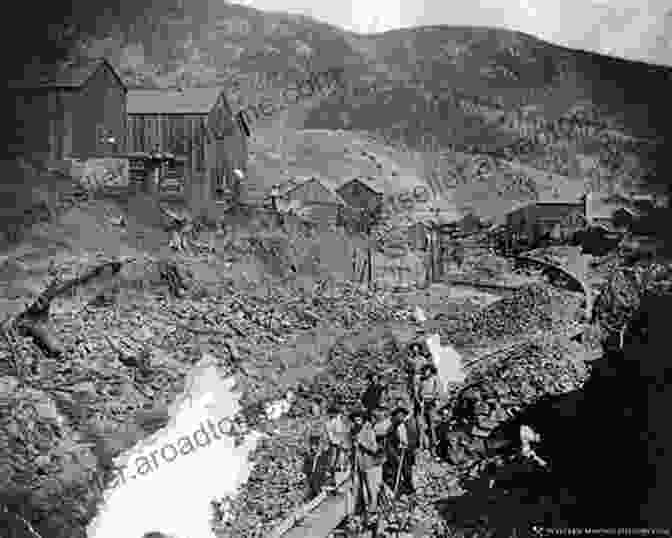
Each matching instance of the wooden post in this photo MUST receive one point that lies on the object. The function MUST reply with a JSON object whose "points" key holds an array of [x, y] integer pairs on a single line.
{"points": [[434, 266], [432, 257]]}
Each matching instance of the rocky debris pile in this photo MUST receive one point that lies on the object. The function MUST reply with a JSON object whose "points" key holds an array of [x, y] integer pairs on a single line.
{"points": [[433, 480], [275, 487], [577, 438], [502, 387], [273, 490], [527, 310], [496, 391], [621, 293], [344, 380], [44, 461], [131, 354]]}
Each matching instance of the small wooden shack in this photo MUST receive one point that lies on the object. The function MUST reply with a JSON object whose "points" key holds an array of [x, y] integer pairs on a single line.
{"points": [[317, 200], [75, 109], [197, 124], [360, 193]]}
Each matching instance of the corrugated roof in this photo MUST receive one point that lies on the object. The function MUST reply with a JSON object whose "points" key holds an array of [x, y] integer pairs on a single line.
{"points": [[66, 75], [185, 101]]}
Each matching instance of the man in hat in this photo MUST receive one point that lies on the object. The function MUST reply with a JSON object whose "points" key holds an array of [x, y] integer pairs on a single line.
{"points": [[315, 466], [402, 444], [338, 434], [430, 394], [373, 393], [382, 423], [415, 359], [443, 430], [368, 459]]}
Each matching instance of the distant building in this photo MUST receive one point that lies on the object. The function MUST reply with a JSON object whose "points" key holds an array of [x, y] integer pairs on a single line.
{"points": [[361, 193], [615, 211], [469, 224], [556, 219], [312, 198], [194, 123], [75, 109]]}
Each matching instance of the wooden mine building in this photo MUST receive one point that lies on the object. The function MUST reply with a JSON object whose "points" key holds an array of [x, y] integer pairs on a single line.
{"points": [[316, 199], [196, 125], [75, 109]]}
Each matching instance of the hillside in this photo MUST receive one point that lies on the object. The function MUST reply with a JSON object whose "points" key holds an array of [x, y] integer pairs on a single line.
{"points": [[575, 114], [336, 157]]}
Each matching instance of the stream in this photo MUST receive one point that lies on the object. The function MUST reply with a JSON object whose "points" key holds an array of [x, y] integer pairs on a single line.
{"points": [[166, 483]]}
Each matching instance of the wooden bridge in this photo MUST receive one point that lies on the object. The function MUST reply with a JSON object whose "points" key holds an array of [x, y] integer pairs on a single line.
{"points": [[568, 273]]}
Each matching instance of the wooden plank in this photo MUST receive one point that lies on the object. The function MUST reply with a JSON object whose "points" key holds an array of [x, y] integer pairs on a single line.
{"points": [[322, 521], [319, 517]]}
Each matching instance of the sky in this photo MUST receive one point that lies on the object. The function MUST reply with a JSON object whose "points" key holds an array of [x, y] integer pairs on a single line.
{"points": [[631, 29]]}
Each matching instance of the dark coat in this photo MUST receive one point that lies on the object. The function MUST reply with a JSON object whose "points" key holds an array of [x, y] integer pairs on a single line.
{"points": [[394, 456], [372, 395], [316, 469]]}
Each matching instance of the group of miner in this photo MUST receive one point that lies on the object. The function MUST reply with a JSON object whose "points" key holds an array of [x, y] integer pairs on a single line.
{"points": [[377, 444]]}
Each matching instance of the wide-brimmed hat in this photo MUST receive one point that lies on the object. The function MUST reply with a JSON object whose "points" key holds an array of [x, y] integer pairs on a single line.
{"points": [[400, 409]]}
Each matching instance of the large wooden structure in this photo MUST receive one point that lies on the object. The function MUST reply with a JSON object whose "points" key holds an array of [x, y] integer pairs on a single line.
{"points": [[196, 123], [76, 109]]}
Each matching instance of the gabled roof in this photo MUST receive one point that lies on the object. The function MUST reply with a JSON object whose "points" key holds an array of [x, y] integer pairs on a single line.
{"points": [[184, 101], [289, 187], [368, 182], [65, 75], [544, 202]]}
